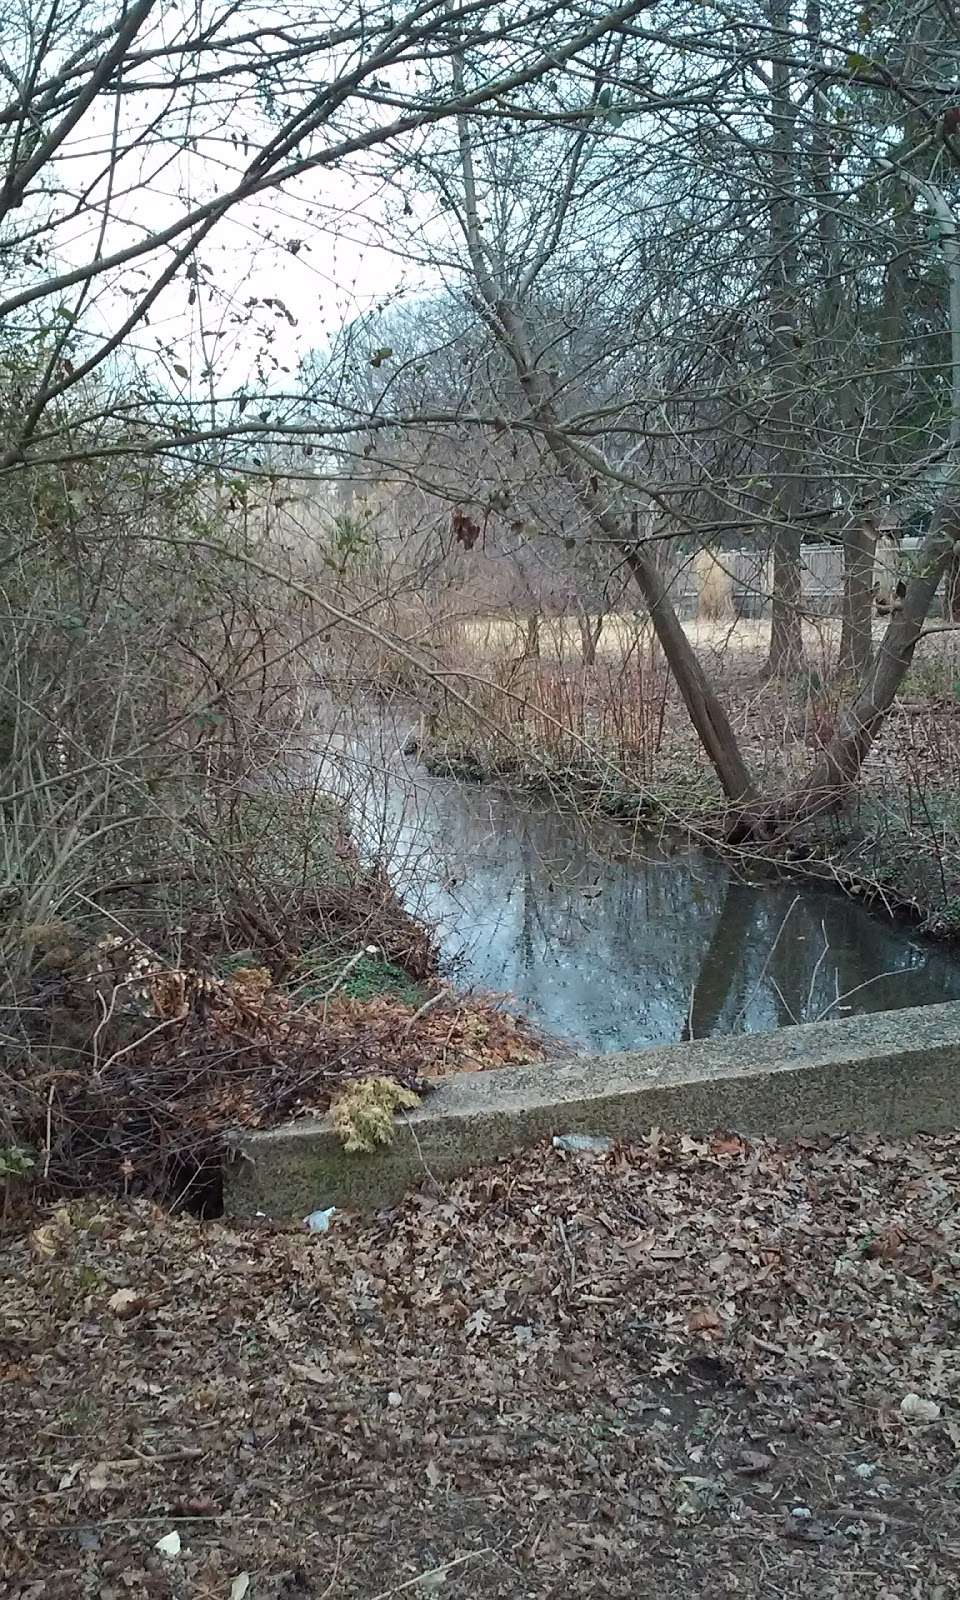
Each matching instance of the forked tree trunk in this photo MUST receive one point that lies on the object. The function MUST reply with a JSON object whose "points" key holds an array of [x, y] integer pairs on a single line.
{"points": [[590, 631], [856, 634], [841, 760]]}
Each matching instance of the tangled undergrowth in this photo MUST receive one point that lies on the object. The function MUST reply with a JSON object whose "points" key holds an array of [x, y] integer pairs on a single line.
{"points": [[138, 1076]]}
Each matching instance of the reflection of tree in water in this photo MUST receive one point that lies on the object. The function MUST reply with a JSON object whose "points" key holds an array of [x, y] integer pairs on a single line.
{"points": [[610, 952], [718, 987]]}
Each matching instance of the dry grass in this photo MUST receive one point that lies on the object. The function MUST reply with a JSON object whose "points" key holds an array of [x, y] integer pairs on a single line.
{"points": [[496, 637]]}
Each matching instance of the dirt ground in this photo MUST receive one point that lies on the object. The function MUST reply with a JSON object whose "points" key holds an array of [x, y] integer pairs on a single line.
{"points": [[683, 1369]]}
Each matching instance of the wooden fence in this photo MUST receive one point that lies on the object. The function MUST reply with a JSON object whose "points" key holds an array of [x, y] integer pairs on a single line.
{"points": [[751, 578]]}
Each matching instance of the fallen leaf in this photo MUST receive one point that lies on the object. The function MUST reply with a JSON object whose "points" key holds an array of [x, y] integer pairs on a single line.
{"points": [[169, 1545], [239, 1586], [46, 1240], [917, 1409], [195, 1506], [100, 1477], [309, 1372], [704, 1320], [126, 1302]]}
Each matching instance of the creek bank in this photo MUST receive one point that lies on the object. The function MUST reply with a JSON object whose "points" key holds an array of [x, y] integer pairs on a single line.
{"points": [[857, 849], [135, 1057]]}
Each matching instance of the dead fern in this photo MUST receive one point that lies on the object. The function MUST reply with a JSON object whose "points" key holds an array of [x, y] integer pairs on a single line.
{"points": [[363, 1115]]}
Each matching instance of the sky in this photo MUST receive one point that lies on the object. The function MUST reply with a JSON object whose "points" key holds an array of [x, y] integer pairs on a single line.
{"points": [[277, 277]]}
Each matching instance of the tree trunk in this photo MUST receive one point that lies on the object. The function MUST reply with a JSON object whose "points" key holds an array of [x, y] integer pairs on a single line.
{"points": [[786, 625], [703, 705], [856, 634], [531, 640], [951, 597], [589, 638], [786, 629], [844, 755]]}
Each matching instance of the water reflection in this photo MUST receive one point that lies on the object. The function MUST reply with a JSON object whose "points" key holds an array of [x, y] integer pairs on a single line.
{"points": [[609, 942]]}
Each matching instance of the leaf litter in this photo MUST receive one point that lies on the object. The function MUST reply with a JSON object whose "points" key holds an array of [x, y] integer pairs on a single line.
{"points": [[185, 1059], [683, 1368]]}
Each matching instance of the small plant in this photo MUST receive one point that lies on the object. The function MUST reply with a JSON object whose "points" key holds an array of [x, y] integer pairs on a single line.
{"points": [[16, 1163], [948, 917], [368, 975], [363, 1115]]}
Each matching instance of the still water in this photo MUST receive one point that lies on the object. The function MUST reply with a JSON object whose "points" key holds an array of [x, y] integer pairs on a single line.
{"points": [[609, 940]]}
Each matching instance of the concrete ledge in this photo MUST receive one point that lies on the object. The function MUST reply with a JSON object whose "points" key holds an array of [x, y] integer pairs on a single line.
{"points": [[897, 1072]]}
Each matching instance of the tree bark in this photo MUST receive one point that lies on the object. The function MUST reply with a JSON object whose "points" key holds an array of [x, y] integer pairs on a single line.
{"points": [[842, 758], [786, 627], [951, 597], [704, 706], [590, 632], [856, 634], [786, 622]]}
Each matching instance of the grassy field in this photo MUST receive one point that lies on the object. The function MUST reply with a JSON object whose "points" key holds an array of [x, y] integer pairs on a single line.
{"points": [[624, 635]]}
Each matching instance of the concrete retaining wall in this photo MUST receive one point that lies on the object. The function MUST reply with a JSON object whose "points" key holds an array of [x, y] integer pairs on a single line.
{"points": [[897, 1072]]}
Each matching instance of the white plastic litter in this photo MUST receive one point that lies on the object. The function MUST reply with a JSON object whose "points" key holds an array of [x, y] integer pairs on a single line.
{"points": [[594, 1144], [319, 1221]]}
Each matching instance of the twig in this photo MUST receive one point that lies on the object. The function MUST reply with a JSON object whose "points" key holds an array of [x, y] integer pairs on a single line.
{"points": [[368, 950], [432, 1572], [568, 1252], [877, 978], [770, 954], [816, 971], [423, 1163], [434, 999], [48, 1135], [336, 1568]]}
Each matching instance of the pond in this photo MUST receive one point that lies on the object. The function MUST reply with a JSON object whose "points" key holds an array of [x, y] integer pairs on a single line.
{"points": [[608, 939]]}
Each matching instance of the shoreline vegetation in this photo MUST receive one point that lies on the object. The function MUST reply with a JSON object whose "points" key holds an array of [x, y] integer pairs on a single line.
{"points": [[611, 740], [137, 1062], [270, 970]]}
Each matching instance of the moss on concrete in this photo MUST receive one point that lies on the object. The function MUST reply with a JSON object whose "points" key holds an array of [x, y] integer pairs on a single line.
{"points": [[895, 1073]]}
